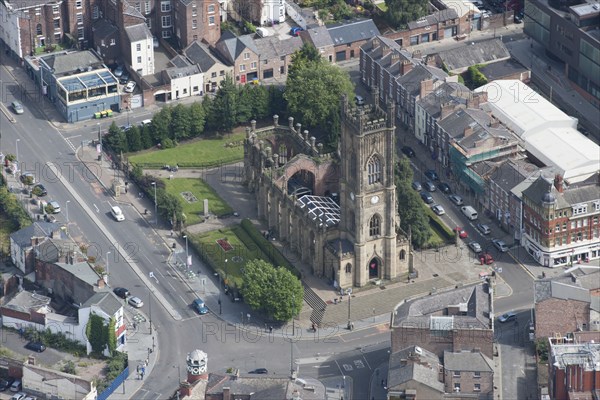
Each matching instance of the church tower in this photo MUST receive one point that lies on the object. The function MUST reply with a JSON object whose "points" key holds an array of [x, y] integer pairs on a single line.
{"points": [[368, 202]]}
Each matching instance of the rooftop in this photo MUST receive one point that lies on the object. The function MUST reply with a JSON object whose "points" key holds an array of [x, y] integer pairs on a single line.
{"points": [[106, 300], [484, 52], [137, 33], [321, 209], [70, 62], [549, 288], [81, 270], [471, 361], [586, 355], [26, 302], [23, 236], [352, 31], [265, 387], [414, 364]]}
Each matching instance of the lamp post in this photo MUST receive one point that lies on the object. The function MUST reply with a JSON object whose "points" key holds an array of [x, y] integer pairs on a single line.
{"points": [[17, 146], [67, 209], [349, 293], [151, 274], [155, 205], [107, 254], [187, 254]]}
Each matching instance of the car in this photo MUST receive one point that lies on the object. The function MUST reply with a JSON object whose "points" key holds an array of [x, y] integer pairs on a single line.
{"points": [[121, 292], [117, 213], [429, 186], [35, 346], [500, 245], [259, 371], [124, 78], [359, 100], [439, 210], [40, 190], [5, 383], [484, 229], [509, 316], [17, 107], [49, 218], [476, 247], [125, 128], [432, 175], [295, 31], [30, 397], [408, 151], [135, 302], [119, 71], [461, 232], [200, 306], [444, 188], [417, 186], [17, 386], [145, 122], [518, 20], [426, 197], [19, 396], [486, 259], [456, 199], [155, 41], [130, 87], [55, 206], [27, 178]]}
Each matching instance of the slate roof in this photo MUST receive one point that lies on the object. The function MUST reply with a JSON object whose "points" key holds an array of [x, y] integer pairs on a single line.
{"points": [[130, 10], [467, 361], [502, 69], [319, 36], [421, 311], [550, 288], [508, 175], [179, 72], [408, 365], [480, 53], [103, 29], [433, 19], [445, 93], [271, 47], [51, 249], [25, 301], [411, 80], [536, 191], [199, 53], [22, 5], [347, 246], [23, 236], [81, 270], [70, 61], [180, 61], [138, 32], [352, 31], [232, 47], [107, 301]]}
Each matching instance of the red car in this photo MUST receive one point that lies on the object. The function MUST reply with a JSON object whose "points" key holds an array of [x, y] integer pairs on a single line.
{"points": [[461, 232], [486, 259]]}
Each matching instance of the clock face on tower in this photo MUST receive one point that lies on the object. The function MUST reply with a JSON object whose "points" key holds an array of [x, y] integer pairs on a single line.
{"points": [[374, 199]]}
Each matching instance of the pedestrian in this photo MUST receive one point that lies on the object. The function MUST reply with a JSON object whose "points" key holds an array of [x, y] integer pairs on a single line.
{"points": [[172, 232], [270, 329], [134, 325], [146, 363], [125, 189]]}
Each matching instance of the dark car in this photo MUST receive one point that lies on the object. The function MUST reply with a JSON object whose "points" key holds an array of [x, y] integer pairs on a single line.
{"points": [[5, 383], [121, 292], [124, 78], [444, 188], [35, 346], [39, 190], [426, 197], [429, 186], [200, 306], [408, 151], [260, 371], [431, 174]]}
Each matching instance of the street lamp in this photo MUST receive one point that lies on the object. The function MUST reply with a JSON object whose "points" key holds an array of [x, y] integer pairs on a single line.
{"points": [[349, 293], [67, 209], [293, 314], [17, 145], [151, 274], [155, 204], [107, 254], [187, 254]]}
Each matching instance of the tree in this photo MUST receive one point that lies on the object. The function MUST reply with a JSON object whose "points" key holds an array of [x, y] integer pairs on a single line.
{"points": [[277, 103], [181, 122], [197, 119], [401, 12], [225, 105], [306, 55], [275, 291], [134, 139], [313, 92], [161, 124], [410, 207], [260, 102]]}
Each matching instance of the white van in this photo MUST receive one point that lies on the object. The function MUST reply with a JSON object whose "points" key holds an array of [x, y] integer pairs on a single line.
{"points": [[469, 212], [146, 122], [262, 32]]}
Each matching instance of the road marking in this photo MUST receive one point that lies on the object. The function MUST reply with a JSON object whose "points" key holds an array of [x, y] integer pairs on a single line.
{"points": [[147, 258], [97, 209], [368, 365], [359, 364], [347, 367], [71, 137], [321, 366], [182, 300]]}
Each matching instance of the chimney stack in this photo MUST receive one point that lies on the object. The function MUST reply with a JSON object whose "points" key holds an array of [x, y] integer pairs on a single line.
{"points": [[468, 131], [447, 109], [405, 67], [226, 393], [426, 87], [101, 283], [558, 183]]}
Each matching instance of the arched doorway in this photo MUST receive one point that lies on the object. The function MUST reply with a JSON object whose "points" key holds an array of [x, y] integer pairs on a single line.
{"points": [[374, 268]]}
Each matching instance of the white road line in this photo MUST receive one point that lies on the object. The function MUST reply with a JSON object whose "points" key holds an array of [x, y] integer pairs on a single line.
{"points": [[161, 274], [171, 285], [147, 258], [365, 358], [71, 137], [97, 209], [182, 300]]}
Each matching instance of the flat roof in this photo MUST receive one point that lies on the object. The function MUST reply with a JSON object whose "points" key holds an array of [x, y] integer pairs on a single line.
{"points": [[586, 355]]}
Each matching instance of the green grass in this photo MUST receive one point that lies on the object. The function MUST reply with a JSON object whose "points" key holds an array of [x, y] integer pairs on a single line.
{"points": [[232, 261], [6, 228], [198, 153], [194, 211]]}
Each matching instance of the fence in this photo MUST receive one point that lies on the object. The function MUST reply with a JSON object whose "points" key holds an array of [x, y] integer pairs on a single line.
{"points": [[114, 384]]}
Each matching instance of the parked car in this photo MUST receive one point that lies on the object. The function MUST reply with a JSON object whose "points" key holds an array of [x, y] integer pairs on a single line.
{"points": [[125, 128], [135, 302], [432, 175], [461, 232], [40, 190], [295, 31], [500, 245], [119, 71], [200, 306], [17, 107], [27, 178], [155, 41], [456, 199], [55, 206], [259, 371], [18, 396], [439, 210], [426, 197], [429, 186], [30, 397], [484, 229], [509, 316], [130, 87], [6, 383], [444, 188], [486, 259], [35, 346], [476, 247], [408, 151], [359, 100], [117, 213], [121, 292], [124, 78], [17, 386], [417, 186]]}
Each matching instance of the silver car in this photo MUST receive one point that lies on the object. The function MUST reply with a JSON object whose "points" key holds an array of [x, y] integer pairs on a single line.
{"points": [[456, 199], [417, 186], [135, 302], [500, 245], [476, 247], [17, 107], [484, 229], [439, 210]]}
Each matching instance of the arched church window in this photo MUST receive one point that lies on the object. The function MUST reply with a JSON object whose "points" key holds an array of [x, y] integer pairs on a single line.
{"points": [[348, 268], [374, 170], [402, 254], [375, 225]]}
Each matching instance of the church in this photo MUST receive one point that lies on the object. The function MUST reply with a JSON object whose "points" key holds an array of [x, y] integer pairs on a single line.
{"points": [[337, 211]]}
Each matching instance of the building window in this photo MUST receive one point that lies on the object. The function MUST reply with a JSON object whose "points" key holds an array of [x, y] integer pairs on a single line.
{"points": [[477, 387], [211, 20], [222, 73], [213, 75], [457, 387], [38, 29], [374, 170], [402, 255], [166, 34], [55, 9], [246, 56], [375, 226], [211, 9], [166, 22], [79, 17], [577, 210], [78, 4], [138, 47], [57, 37], [253, 65], [597, 206], [165, 6], [242, 67], [38, 11], [348, 268], [194, 12], [80, 33], [95, 12], [57, 24], [456, 374], [194, 24], [139, 59], [147, 7], [477, 374], [138, 7]]}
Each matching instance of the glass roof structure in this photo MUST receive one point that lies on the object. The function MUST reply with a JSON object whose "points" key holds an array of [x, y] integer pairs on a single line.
{"points": [[88, 81], [321, 209]]}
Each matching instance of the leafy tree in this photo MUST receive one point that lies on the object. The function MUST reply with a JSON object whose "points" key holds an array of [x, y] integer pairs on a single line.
{"points": [[275, 291], [225, 106], [145, 136], [197, 119], [94, 331], [112, 337], [181, 123], [134, 139], [306, 55], [475, 78], [313, 92], [260, 102], [401, 12], [410, 207], [277, 103], [161, 124], [245, 98]]}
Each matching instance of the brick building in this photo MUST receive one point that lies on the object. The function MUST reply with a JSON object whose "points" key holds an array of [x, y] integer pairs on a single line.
{"points": [[436, 26], [349, 36], [242, 54], [275, 56], [469, 373], [457, 320], [196, 20]]}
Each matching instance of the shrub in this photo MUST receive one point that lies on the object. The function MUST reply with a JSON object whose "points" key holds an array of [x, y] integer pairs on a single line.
{"points": [[439, 226]]}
